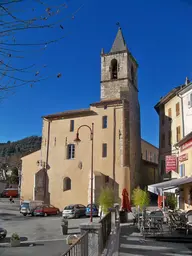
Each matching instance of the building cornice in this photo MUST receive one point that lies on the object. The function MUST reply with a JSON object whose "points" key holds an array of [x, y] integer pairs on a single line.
{"points": [[168, 97], [70, 114], [184, 140], [186, 89]]}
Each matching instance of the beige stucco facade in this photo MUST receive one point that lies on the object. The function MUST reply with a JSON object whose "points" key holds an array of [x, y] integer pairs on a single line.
{"points": [[185, 170], [170, 128], [116, 147], [149, 152], [149, 165]]}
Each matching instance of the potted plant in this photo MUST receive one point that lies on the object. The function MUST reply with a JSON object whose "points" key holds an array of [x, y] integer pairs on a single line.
{"points": [[15, 240]]}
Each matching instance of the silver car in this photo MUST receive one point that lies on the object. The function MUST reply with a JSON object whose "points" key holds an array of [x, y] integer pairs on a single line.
{"points": [[74, 211]]}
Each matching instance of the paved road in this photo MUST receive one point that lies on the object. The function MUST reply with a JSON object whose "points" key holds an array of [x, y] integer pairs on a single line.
{"points": [[45, 232], [132, 243]]}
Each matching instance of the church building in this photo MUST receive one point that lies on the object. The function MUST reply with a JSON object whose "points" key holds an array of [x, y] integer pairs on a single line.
{"points": [[60, 172]]}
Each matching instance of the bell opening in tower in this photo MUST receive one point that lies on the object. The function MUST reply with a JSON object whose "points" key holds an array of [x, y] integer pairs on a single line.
{"points": [[114, 69]]}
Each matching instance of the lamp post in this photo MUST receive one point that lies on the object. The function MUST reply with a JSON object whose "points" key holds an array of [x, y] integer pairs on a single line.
{"points": [[77, 140]]}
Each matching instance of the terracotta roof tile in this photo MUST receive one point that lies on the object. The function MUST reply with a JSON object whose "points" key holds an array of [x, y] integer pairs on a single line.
{"points": [[71, 113]]}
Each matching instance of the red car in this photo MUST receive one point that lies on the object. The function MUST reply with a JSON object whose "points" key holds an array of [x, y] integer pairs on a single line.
{"points": [[45, 210]]}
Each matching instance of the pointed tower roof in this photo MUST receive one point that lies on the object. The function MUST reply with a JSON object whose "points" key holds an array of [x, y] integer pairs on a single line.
{"points": [[119, 43]]}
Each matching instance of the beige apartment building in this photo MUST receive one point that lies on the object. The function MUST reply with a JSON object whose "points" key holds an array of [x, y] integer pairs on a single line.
{"points": [[149, 165], [60, 172], [169, 110]]}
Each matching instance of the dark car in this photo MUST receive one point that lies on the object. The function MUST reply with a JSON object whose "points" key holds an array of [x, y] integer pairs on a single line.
{"points": [[45, 210], [3, 233], [95, 210]]}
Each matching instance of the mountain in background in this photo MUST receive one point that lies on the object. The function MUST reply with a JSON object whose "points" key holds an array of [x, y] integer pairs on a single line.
{"points": [[12, 152]]}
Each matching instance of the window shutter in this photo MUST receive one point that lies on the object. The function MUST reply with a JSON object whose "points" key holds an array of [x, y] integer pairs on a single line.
{"points": [[180, 170], [177, 109], [178, 133], [169, 112]]}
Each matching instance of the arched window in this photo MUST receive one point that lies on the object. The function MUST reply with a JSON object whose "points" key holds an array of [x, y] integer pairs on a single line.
{"points": [[114, 69], [66, 184]]}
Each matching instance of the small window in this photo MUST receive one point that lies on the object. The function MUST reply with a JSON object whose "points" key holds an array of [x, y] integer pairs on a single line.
{"points": [[106, 179], [163, 140], [154, 158], [72, 125], [104, 150], [169, 113], [182, 170], [66, 184], [177, 108], [150, 156], [146, 155], [71, 151], [104, 120], [178, 133]]}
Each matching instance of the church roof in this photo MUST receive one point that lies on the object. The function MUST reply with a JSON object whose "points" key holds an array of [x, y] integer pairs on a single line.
{"points": [[119, 43], [71, 113]]}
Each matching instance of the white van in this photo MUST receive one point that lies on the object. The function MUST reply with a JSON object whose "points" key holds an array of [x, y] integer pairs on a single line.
{"points": [[26, 207]]}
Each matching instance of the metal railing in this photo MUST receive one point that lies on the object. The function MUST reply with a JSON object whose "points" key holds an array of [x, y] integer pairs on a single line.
{"points": [[79, 248], [106, 228]]}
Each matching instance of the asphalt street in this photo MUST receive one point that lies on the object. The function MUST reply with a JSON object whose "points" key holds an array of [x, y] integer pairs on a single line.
{"points": [[39, 235]]}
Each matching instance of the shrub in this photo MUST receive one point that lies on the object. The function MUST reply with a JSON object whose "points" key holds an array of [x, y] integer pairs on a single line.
{"points": [[15, 236], [106, 199], [171, 201], [140, 198]]}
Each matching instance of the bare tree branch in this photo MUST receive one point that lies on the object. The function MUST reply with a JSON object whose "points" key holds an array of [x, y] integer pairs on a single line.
{"points": [[17, 19]]}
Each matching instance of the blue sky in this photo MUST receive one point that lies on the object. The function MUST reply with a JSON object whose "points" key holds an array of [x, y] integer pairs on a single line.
{"points": [[158, 33]]}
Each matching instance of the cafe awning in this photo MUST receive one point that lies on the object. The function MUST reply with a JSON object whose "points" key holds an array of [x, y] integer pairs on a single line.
{"points": [[168, 186]]}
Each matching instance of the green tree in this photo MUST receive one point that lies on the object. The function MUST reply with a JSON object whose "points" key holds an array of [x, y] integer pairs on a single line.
{"points": [[106, 199], [14, 179], [140, 198], [171, 201]]}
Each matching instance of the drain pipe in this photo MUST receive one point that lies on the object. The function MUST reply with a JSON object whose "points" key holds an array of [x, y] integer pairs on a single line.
{"points": [[182, 112], [47, 158]]}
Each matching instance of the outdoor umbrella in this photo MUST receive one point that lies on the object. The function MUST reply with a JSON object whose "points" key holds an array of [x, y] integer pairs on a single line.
{"points": [[125, 201]]}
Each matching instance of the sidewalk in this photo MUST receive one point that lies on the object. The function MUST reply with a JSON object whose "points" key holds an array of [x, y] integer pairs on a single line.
{"points": [[132, 243]]}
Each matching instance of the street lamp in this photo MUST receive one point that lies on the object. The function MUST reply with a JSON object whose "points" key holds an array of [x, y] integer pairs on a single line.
{"points": [[77, 140]]}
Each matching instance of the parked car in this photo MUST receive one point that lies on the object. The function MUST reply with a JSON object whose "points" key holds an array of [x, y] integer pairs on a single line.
{"points": [[95, 210], [74, 211], [27, 207], [45, 210], [3, 233], [13, 192]]}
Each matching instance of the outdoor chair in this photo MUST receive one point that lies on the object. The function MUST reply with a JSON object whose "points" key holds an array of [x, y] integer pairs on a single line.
{"points": [[189, 222], [175, 223], [156, 221]]}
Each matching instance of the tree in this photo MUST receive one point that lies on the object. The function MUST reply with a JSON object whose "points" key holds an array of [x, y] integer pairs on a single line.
{"points": [[140, 198], [14, 178], [18, 18], [106, 199]]}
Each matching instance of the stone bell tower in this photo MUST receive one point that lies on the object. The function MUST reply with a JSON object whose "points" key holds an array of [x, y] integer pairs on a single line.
{"points": [[119, 81], [118, 70]]}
